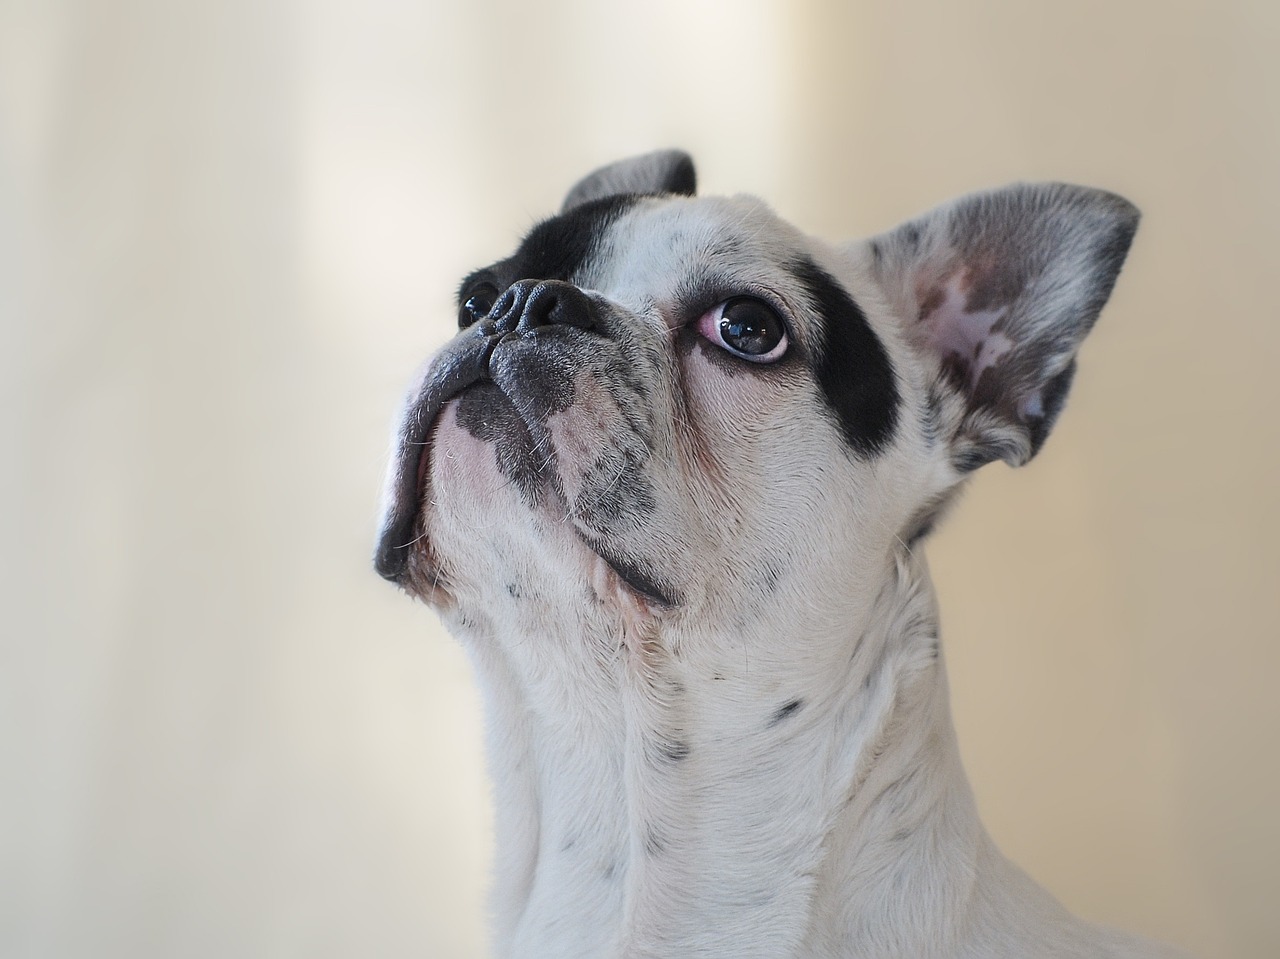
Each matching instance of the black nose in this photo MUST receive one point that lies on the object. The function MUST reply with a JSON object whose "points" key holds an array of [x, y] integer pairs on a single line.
{"points": [[529, 304]]}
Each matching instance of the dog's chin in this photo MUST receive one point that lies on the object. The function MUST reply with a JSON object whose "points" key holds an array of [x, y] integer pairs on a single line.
{"points": [[481, 462]]}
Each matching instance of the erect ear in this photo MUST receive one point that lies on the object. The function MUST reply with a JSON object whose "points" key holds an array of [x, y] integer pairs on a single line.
{"points": [[664, 171], [996, 291]]}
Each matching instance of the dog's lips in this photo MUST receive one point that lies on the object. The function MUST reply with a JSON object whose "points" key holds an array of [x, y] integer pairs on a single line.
{"points": [[464, 361]]}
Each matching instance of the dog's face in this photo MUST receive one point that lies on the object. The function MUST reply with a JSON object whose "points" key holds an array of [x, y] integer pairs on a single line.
{"points": [[683, 408]]}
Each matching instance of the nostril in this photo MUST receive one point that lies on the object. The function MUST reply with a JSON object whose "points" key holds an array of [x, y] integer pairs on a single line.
{"points": [[507, 310], [553, 303], [529, 304]]}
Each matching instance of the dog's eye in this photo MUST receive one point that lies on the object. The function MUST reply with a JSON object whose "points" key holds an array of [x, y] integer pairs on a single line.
{"points": [[746, 327], [479, 301]]}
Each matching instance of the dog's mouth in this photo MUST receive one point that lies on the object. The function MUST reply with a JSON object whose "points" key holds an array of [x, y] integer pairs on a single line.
{"points": [[461, 371], [462, 363]]}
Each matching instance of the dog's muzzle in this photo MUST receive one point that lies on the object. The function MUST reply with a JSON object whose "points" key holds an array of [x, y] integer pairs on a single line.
{"points": [[526, 306]]}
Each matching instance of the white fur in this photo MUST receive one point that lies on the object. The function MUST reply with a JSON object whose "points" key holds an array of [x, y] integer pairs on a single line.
{"points": [[657, 793]]}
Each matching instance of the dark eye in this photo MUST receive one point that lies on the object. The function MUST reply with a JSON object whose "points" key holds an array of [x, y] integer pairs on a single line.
{"points": [[479, 301], [746, 327]]}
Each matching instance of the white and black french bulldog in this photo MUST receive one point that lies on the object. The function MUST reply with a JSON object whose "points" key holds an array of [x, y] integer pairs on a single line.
{"points": [[668, 485]]}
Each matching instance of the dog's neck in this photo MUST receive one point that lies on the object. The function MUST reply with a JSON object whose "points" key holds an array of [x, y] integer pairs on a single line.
{"points": [[645, 806]]}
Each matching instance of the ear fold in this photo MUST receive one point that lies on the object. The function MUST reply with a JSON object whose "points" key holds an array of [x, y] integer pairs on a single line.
{"points": [[996, 292], [664, 171]]}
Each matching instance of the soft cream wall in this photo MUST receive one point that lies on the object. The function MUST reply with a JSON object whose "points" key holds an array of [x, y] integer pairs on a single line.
{"points": [[229, 231]]}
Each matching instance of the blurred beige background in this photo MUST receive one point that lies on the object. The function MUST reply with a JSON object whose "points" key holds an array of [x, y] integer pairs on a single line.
{"points": [[228, 233]]}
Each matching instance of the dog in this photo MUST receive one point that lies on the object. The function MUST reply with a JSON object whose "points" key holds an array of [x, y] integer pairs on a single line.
{"points": [[668, 485]]}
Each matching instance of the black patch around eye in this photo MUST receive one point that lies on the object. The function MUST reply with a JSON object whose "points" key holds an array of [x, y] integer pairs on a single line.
{"points": [[853, 368]]}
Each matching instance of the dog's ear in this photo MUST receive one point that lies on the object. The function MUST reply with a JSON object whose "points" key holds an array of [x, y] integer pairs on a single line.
{"points": [[663, 171], [996, 291]]}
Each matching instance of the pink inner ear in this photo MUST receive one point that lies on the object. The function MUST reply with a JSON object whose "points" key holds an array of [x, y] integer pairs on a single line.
{"points": [[954, 332]]}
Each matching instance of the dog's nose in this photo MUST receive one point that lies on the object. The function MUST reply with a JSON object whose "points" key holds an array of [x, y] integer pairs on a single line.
{"points": [[529, 304]]}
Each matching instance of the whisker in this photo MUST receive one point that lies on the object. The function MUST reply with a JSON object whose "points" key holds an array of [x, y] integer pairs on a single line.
{"points": [[417, 539], [904, 545]]}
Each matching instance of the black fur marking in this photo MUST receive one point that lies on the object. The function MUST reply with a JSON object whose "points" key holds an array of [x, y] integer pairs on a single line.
{"points": [[557, 248], [614, 491], [769, 578], [673, 751], [486, 413], [787, 709], [654, 844], [853, 368]]}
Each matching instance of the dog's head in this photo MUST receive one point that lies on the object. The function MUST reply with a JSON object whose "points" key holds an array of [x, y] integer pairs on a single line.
{"points": [[686, 407]]}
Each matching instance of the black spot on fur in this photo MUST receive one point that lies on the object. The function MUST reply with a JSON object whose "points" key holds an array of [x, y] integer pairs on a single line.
{"points": [[486, 413], [853, 368], [654, 844], [768, 578], [614, 491], [787, 709], [674, 751]]}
